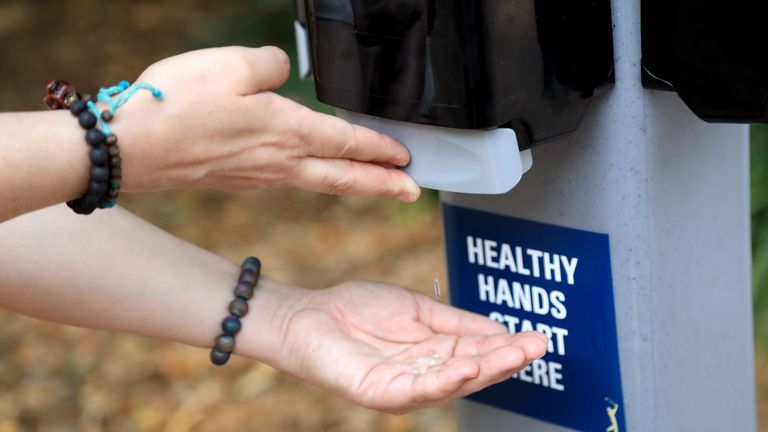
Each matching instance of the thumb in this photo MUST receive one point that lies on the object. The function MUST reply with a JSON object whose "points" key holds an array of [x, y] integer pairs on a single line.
{"points": [[267, 68]]}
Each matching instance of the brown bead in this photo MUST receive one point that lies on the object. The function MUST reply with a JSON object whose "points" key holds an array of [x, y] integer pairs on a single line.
{"points": [[244, 291], [114, 149], [112, 140], [106, 116], [248, 277], [225, 343], [60, 94], [53, 102], [219, 358], [52, 86], [71, 98], [238, 307]]}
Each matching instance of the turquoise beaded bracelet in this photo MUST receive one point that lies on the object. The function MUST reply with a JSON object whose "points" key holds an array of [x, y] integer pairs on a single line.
{"points": [[238, 308]]}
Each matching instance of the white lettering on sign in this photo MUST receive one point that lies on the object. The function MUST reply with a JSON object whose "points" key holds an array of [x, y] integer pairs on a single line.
{"points": [[521, 296], [525, 261], [555, 334], [536, 298], [543, 373]]}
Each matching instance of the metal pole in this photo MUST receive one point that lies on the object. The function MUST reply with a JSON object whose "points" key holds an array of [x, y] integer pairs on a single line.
{"points": [[671, 193]]}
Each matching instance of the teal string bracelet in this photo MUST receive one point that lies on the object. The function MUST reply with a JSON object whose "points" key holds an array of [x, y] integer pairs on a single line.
{"points": [[115, 97]]}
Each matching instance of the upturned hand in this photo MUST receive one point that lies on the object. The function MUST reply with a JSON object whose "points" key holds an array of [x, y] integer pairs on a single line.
{"points": [[392, 349]]}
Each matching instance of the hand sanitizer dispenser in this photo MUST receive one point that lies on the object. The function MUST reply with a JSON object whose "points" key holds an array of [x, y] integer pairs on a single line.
{"points": [[628, 244], [711, 53], [469, 87]]}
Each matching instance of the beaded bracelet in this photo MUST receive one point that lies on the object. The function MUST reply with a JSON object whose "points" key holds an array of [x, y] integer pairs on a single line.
{"points": [[238, 308], [106, 164], [99, 156]]}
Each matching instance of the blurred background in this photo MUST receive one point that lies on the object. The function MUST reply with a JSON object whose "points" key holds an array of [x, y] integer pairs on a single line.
{"points": [[57, 378]]}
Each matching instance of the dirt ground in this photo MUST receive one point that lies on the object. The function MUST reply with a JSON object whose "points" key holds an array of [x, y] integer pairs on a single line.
{"points": [[57, 378]]}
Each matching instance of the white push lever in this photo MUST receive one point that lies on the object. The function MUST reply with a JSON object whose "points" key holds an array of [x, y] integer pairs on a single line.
{"points": [[455, 160]]}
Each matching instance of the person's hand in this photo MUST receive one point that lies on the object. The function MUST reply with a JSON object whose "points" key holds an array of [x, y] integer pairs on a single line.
{"points": [[221, 126], [395, 350]]}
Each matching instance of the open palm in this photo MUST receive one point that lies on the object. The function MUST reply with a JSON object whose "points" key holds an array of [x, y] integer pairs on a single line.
{"points": [[392, 349]]}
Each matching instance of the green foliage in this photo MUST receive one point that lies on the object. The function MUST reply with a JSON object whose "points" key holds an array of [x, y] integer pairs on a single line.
{"points": [[414, 214], [759, 181]]}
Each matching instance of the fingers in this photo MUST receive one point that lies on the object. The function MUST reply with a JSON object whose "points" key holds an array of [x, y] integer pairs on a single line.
{"points": [[442, 318], [442, 383], [502, 362], [501, 356], [497, 359], [331, 137], [469, 346], [535, 344], [473, 364], [345, 177], [496, 366], [266, 68]]}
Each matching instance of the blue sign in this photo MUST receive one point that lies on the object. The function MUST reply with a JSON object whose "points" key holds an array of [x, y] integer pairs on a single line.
{"points": [[534, 276]]}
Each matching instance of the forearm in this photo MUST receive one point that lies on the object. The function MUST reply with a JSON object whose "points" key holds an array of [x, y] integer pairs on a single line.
{"points": [[43, 161], [113, 271]]}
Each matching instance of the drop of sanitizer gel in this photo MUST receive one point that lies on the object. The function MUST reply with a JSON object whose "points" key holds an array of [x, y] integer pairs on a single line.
{"points": [[422, 364]]}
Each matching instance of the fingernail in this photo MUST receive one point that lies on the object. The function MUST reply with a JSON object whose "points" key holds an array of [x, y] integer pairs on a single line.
{"points": [[404, 158], [409, 197]]}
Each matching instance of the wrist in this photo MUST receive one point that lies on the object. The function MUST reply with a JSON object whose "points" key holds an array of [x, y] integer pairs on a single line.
{"points": [[194, 301], [271, 308], [140, 141]]}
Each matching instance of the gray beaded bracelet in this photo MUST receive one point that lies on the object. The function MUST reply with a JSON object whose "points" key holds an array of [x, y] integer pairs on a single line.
{"points": [[238, 308]]}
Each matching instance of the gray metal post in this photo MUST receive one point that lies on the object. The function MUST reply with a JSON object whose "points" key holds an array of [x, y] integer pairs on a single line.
{"points": [[672, 193]]}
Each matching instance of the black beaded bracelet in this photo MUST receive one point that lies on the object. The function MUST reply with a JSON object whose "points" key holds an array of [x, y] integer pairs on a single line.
{"points": [[238, 308], [106, 165], [99, 156]]}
